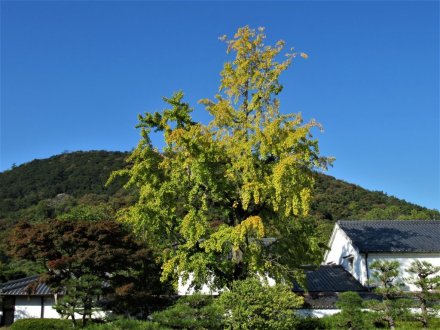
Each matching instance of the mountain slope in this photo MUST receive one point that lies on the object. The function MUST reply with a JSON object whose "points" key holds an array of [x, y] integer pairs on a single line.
{"points": [[338, 200], [75, 174], [71, 186], [80, 174]]}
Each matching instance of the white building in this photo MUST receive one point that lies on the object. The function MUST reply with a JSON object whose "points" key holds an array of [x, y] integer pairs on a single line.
{"points": [[353, 246], [26, 298], [356, 244], [29, 298]]}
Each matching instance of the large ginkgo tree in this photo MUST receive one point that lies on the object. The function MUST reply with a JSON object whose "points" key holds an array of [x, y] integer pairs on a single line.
{"points": [[228, 200]]}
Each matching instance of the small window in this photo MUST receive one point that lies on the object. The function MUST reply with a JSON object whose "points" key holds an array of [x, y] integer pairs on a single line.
{"points": [[350, 261]]}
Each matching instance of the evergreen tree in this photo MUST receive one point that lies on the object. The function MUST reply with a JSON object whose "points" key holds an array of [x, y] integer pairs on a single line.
{"points": [[385, 277], [426, 277], [350, 304]]}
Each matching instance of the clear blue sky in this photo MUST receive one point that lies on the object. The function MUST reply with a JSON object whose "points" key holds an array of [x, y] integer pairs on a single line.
{"points": [[74, 76]]}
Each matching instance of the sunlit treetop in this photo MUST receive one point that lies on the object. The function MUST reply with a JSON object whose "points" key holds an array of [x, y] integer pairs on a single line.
{"points": [[216, 191]]}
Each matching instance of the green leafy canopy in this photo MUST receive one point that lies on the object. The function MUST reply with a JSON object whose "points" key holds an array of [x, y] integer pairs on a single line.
{"points": [[215, 191]]}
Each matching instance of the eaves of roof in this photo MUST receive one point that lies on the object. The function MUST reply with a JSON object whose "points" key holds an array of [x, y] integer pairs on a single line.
{"points": [[393, 236], [28, 286]]}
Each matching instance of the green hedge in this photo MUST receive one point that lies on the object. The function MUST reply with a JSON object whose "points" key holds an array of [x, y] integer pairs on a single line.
{"points": [[333, 322], [126, 324], [57, 324], [41, 324]]}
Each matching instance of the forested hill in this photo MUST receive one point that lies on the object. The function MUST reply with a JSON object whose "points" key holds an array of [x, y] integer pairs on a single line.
{"points": [[71, 186], [71, 182], [76, 174], [338, 200]]}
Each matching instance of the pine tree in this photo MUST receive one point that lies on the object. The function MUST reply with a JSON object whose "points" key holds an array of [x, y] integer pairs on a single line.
{"points": [[426, 277], [385, 277]]}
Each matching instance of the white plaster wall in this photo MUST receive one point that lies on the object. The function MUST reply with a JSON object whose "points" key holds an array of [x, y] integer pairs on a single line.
{"points": [[27, 307], [327, 312], [316, 312], [359, 270], [184, 288], [30, 307], [49, 311], [340, 247], [405, 260]]}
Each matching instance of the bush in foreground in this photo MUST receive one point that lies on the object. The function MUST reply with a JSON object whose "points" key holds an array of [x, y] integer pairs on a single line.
{"points": [[250, 304], [126, 324], [42, 324], [192, 312], [253, 305], [351, 316]]}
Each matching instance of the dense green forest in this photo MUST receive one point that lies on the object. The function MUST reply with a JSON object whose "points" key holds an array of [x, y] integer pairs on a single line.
{"points": [[79, 178], [71, 186], [75, 174]]}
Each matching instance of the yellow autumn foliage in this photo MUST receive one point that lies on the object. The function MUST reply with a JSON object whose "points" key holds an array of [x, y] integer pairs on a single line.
{"points": [[216, 192]]}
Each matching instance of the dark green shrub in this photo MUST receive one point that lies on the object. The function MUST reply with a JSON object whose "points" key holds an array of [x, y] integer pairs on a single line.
{"points": [[391, 307], [330, 322], [126, 324], [42, 324], [192, 312], [255, 305], [350, 316], [370, 321], [411, 325], [311, 323], [426, 277]]}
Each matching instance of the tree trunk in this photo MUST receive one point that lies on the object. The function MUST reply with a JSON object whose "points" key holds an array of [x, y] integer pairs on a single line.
{"points": [[391, 323], [424, 316], [73, 319]]}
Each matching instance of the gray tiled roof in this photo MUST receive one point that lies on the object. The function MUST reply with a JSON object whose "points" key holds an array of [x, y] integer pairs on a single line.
{"points": [[25, 287], [330, 278], [327, 300], [394, 235]]}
